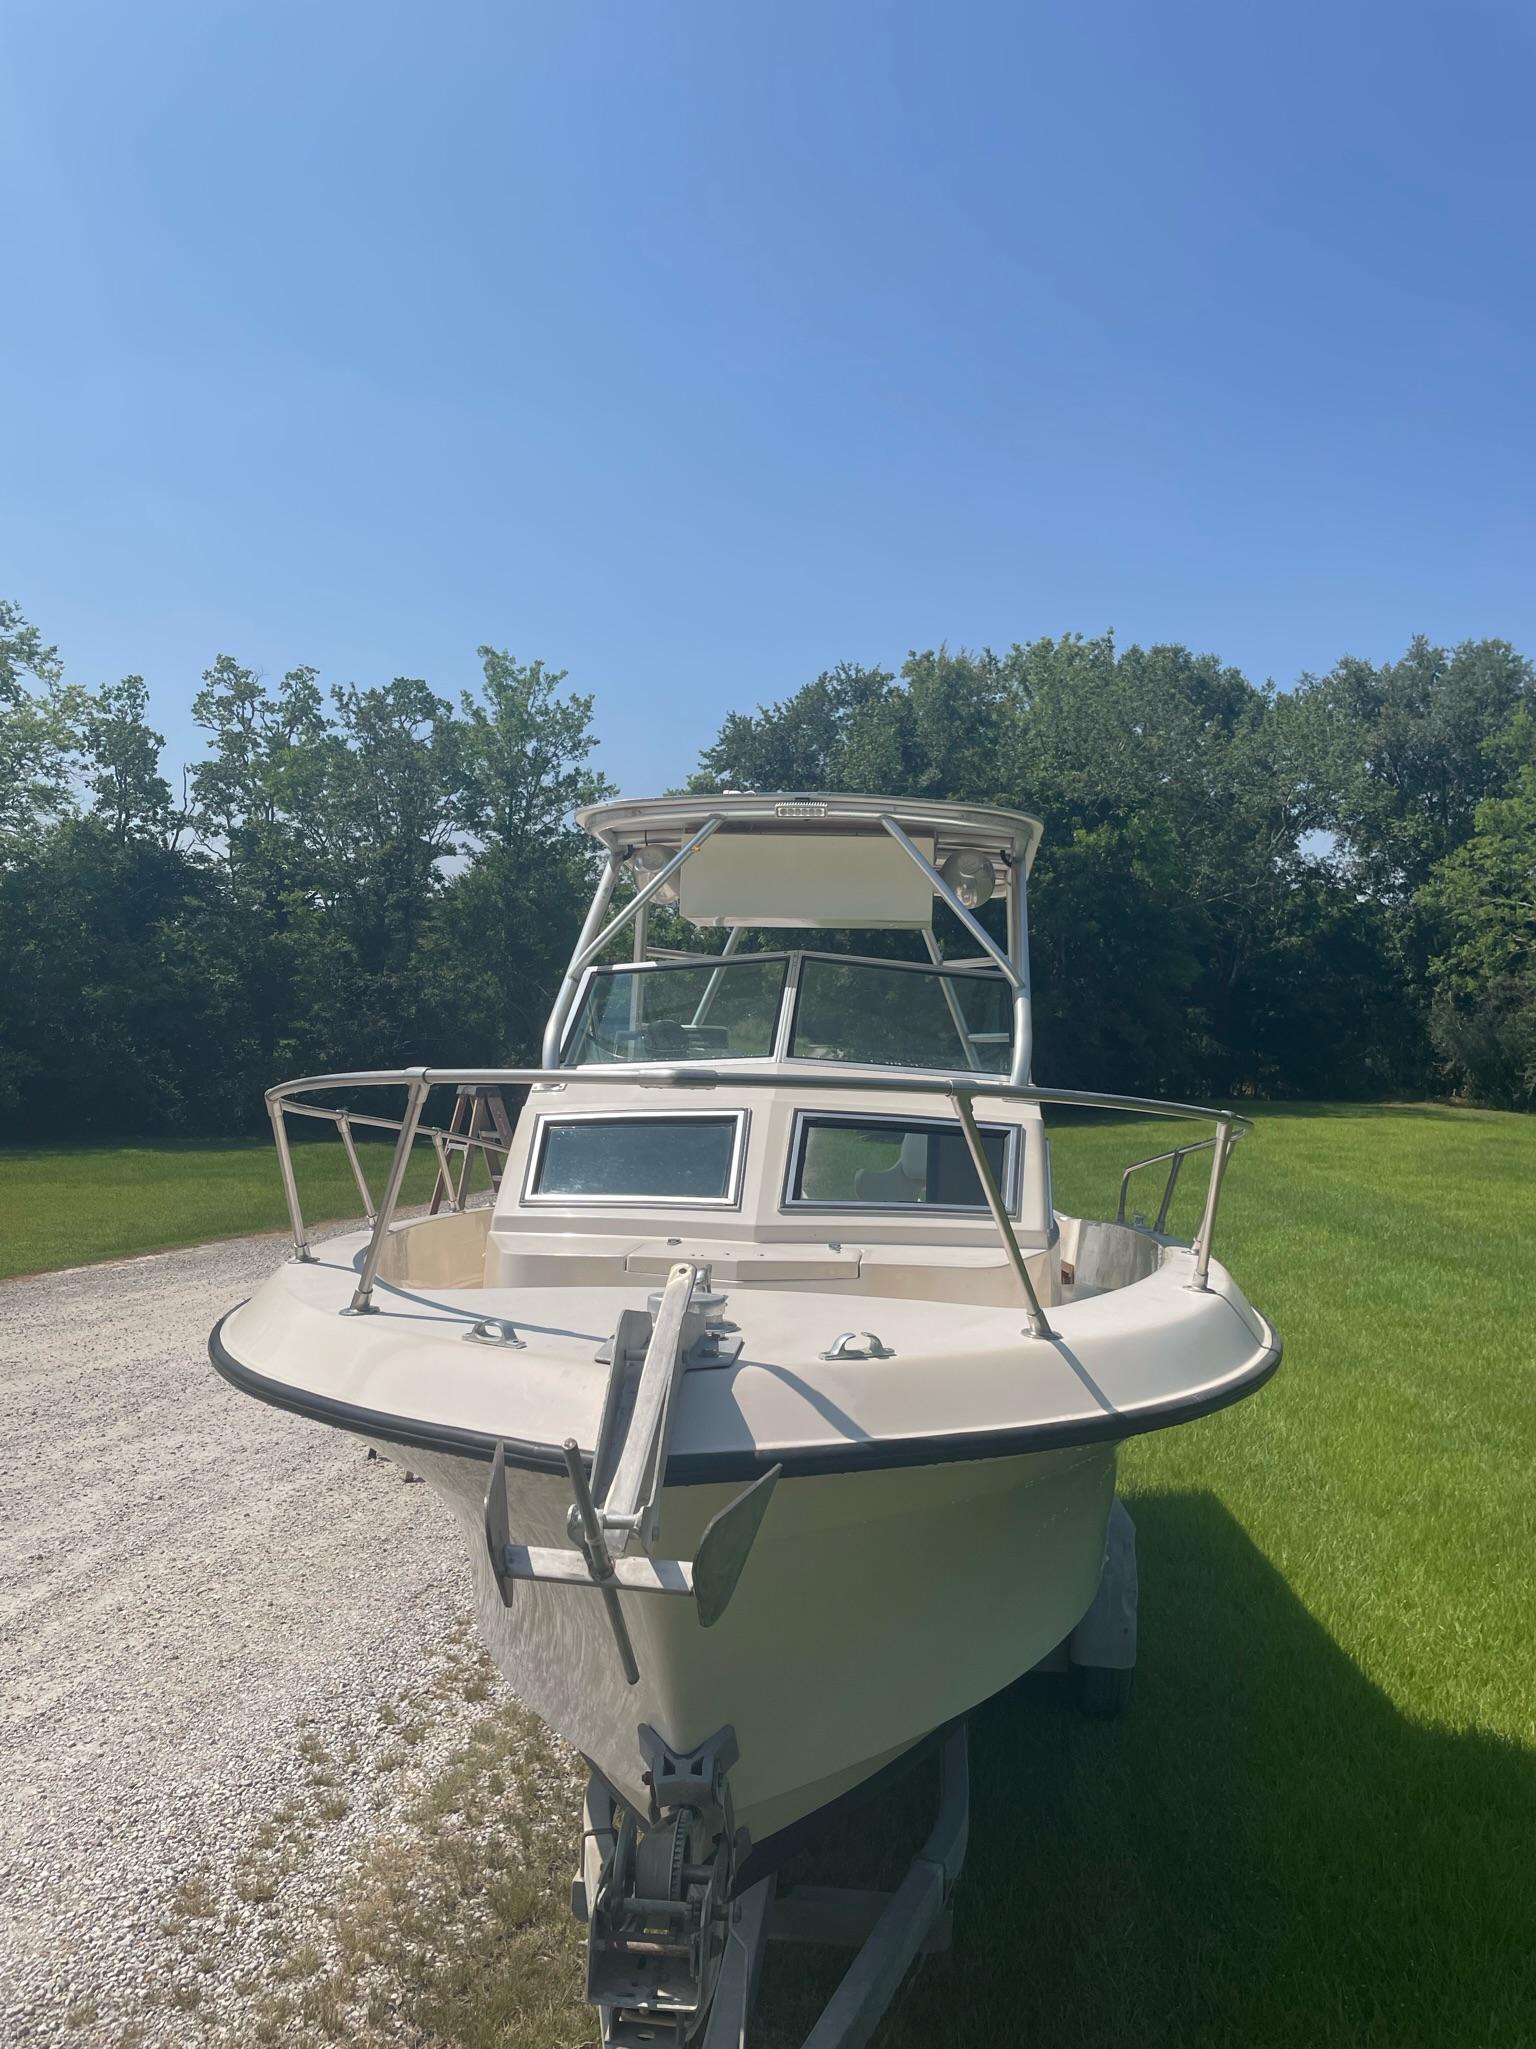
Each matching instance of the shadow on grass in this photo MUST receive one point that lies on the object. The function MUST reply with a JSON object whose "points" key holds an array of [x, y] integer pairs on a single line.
{"points": [[1264, 1851]]}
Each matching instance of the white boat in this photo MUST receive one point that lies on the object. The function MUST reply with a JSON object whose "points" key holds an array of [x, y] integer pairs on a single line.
{"points": [[777, 1402]]}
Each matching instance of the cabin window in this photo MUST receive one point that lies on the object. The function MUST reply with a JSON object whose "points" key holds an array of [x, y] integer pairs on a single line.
{"points": [[682, 1010], [895, 1163], [871, 1014], [667, 1157]]}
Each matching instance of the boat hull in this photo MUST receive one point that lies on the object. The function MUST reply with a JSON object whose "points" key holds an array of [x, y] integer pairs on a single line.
{"points": [[876, 1606]]}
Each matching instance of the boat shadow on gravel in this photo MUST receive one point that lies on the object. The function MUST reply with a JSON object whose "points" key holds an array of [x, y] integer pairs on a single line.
{"points": [[1263, 1851]]}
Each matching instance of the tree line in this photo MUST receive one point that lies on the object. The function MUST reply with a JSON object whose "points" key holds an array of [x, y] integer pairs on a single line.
{"points": [[1328, 891]]}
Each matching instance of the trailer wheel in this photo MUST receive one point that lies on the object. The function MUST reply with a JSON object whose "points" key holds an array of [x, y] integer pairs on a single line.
{"points": [[1103, 1690]]}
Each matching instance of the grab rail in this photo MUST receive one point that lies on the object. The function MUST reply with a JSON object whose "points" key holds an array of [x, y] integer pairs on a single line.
{"points": [[1178, 1155], [964, 1091]]}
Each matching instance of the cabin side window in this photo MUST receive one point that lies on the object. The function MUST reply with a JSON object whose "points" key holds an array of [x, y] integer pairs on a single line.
{"points": [[839, 1162], [662, 1157]]}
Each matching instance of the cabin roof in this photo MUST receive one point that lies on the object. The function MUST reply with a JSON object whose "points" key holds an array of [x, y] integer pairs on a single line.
{"points": [[633, 821]]}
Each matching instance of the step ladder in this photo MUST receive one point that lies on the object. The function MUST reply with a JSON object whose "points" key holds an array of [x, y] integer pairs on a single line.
{"points": [[480, 1119]]}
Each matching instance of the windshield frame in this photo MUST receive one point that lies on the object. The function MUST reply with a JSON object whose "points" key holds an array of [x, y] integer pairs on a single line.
{"points": [[937, 969], [707, 961], [787, 1022]]}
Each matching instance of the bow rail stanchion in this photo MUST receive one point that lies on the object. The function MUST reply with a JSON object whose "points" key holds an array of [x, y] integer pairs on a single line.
{"points": [[275, 1110], [417, 1086], [349, 1146], [1038, 1325], [1219, 1153]]}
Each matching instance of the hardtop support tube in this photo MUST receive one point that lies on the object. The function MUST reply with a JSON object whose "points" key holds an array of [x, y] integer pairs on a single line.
{"points": [[595, 935], [733, 939], [554, 1031], [967, 918], [1023, 1000], [588, 952], [1016, 968]]}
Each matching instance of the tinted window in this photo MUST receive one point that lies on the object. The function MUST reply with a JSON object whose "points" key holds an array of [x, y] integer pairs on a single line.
{"points": [[684, 1158], [858, 1163]]}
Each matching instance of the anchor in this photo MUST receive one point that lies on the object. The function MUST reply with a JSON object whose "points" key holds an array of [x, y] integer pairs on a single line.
{"points": [[620, 1503]]}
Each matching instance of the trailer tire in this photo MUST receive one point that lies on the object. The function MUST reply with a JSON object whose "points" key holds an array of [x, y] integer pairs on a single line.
{"points": [[1102, 1690]]}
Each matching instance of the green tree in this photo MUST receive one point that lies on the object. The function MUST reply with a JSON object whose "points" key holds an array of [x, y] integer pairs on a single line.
{"points": [[1481, 903], [122, 756], [120, 1011], [249, 798], [264, 749], [510, 917], [1178, 808], [1402, 755], [38, 738], [830, 735], [378, 824]]}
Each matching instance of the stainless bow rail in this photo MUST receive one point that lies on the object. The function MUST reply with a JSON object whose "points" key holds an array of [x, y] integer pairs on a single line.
{"points": [[964, 1091], [1177, 1156]]}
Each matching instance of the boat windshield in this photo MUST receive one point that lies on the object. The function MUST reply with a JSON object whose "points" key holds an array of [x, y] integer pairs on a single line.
{"points": [[680, 1010], [863, 1012], [885, 1014]]}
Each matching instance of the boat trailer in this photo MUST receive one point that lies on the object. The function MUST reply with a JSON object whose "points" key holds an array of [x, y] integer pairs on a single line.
{"points": [[674, 1955], [672, 1961]]}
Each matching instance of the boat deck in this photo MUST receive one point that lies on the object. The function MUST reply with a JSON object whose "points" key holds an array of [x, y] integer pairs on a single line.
{"points": [[955, 1380]]}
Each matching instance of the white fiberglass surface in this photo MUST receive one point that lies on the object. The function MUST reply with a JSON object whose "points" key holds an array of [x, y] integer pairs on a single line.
{"points": [[947, 1367]]}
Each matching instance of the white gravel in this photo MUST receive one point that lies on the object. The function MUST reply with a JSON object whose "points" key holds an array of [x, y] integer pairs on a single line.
{"points": [[192, 1587]]}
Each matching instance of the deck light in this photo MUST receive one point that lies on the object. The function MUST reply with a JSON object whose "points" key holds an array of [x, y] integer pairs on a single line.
{"points": [[970, 875]]}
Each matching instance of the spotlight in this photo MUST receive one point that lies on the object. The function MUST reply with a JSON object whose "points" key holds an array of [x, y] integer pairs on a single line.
{"points": [[970, 875], [645, 862]]}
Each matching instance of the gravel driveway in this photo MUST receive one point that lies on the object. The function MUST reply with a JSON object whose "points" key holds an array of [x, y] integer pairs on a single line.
{"points": [[204, 1604]]}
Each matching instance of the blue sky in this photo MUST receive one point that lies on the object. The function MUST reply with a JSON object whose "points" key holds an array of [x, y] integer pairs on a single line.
{"points": [[698, 347]]}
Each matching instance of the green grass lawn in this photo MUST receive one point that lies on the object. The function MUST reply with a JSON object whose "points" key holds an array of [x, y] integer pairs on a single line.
{"points": [[67, 1205], [1316, 1824], [1315, 1827]]}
